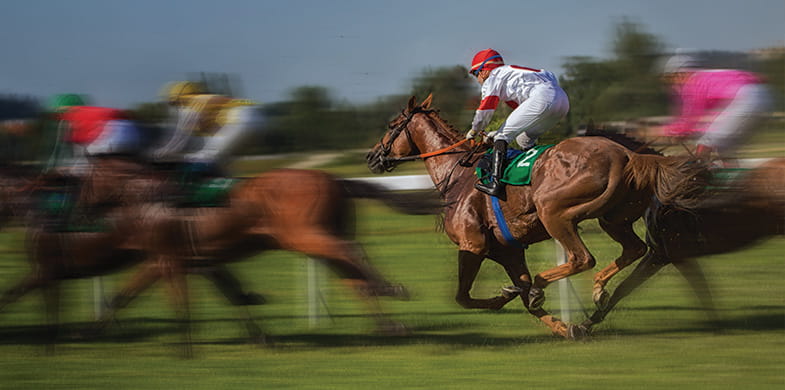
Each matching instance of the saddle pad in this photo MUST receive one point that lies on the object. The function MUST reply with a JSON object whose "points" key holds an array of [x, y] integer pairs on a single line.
{"points": [[213, 192], [726, 178], [519, 164]]}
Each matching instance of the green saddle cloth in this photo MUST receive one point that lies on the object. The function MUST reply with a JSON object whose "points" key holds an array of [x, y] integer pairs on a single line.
{"points": [[519, 165], [726, 178], [212, 192]]}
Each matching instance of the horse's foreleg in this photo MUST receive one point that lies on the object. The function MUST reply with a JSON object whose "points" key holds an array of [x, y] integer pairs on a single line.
{"points": [[515, 266], [29, 283], [633, 248], [468, 267], [178, 293], [52, 304], [148, 273]]}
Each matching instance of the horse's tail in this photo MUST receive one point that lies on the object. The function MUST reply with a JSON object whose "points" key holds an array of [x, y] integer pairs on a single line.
{"points": [[675, 181], [409, 202]]}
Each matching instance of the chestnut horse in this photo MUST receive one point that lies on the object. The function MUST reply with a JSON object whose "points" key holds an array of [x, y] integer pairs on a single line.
{"points": [[578, 179], [305, 211], [61, 255], [751, 208]]}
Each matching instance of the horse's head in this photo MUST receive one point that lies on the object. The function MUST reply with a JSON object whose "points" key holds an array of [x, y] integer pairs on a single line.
{"points": [[398, 142]]}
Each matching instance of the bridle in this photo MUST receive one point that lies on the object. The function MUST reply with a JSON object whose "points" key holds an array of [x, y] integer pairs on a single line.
{"points": [[382, 159], [388, 163]]}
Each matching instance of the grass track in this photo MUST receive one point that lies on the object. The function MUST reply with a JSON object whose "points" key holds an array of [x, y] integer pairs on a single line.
{"points": [[656, 339]]}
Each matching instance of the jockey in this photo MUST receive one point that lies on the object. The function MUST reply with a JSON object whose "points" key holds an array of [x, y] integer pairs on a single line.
{"points": [[92, 132], [95, 131], [719, 106], [534, 94], [205, 128]]}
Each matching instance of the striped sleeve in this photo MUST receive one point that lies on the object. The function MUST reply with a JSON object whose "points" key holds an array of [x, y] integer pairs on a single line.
{"points": [[485, 112]]}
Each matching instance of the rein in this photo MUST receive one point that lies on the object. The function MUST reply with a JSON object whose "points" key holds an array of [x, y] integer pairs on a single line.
{"points": [[388, 162], [404, 128]]}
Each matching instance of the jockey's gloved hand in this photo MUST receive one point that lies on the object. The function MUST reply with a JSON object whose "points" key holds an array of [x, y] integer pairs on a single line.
{"points": [[471, 134], [488, 137]]}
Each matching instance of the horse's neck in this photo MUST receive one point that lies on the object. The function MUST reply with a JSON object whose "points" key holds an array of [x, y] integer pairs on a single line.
{"points": [[443, 169]]}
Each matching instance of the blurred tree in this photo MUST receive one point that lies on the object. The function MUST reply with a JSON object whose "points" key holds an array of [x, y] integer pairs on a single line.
{"points": [[624, 87], [454, 93], [773, 70]]}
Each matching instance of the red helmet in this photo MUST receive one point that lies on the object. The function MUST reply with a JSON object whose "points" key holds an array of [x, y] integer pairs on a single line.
{"points": [[486, 59]]}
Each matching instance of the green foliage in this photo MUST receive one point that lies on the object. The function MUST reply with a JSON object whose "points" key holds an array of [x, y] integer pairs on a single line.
{"points": [[624, 87], [773, 70], [454, 93]]}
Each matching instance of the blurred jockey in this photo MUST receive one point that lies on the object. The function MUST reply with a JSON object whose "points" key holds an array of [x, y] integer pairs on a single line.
{"points": [[534, 94], [205, 129], [95, 131], [720, 107]]}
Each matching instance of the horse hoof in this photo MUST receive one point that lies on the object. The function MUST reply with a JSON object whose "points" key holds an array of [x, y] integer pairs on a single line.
{"points": [[253, 299], [511, 291], [536, 298], [577, 332], [394, 291], [600, 296]]}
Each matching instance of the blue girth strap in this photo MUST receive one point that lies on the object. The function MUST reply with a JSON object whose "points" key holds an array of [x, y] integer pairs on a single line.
{"points": [[497, 211]]}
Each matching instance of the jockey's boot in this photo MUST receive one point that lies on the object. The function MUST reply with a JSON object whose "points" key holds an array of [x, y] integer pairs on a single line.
{"points": [[495, 187]]}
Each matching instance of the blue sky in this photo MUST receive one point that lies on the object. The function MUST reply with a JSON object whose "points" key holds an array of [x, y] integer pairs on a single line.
{"points": [[122, 52]]}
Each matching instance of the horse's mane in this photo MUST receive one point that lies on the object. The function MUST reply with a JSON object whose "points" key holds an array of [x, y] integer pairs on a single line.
{"points": [[628, 142], [434, 114]]}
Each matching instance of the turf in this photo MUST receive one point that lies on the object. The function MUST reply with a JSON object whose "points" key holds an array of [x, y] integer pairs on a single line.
{"points": [[658, 338]]}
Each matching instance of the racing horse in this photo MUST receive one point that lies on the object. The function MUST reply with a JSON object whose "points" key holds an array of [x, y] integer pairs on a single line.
{"points": [[739, 214], [305, 211], [578, 179], [58, 255]]}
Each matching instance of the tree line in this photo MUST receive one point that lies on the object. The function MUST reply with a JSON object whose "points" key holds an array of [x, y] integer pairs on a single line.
{"points": [[623, 87]]}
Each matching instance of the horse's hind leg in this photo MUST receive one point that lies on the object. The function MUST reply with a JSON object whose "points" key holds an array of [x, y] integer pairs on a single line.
{"points": [[579, 258], [231, 288], [633, 248], [693, 272], [346, 259]]}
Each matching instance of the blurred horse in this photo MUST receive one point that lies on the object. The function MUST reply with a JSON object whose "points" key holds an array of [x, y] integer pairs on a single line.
{"points": [[60, 255], [739, 214], [304, 211], [578, 179]]}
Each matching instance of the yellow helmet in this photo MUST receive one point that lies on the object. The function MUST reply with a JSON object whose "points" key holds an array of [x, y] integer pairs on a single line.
{"points": [[176, 90]]}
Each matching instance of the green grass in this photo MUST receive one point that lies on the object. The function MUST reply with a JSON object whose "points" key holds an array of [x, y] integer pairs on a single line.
{"points": [[656, 339]]}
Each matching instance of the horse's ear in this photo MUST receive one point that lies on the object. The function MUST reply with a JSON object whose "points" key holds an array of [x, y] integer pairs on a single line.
{"points": [[412, 103], [426, 104]]}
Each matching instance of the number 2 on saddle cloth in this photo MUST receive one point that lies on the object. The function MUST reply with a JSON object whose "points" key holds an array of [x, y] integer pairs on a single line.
{"points": [[517, 172]]}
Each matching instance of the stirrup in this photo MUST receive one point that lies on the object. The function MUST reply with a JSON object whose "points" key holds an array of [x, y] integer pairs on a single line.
{"points": [[494, 189]]}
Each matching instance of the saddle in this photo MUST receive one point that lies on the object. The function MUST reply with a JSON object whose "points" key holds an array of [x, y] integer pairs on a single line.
{"points": [[209, 192], [518, 164]]}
